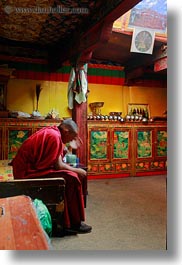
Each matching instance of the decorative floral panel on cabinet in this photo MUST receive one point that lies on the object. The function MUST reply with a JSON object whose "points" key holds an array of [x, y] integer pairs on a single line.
{"points": [[159, 165], [161, 146], [106, 168], [144, 144], [122, 167], [15, 137], [99, 140], [144, 149], [120, 149]]}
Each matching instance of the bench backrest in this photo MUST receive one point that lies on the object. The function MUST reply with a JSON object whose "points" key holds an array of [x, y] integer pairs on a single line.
{"points": [[49, 190]]}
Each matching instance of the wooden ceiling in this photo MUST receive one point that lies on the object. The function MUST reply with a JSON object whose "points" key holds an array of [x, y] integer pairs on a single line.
{"points": [[66, 30]]}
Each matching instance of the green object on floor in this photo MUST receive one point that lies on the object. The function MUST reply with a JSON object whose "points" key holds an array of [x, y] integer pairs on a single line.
{"points": [[44, 216]]}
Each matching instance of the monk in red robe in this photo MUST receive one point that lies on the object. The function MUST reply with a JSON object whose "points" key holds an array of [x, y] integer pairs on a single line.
{"points": [[41, 155]]}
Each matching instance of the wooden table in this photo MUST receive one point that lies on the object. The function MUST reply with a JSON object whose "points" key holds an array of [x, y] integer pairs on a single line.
{"points": [[20, 228]]}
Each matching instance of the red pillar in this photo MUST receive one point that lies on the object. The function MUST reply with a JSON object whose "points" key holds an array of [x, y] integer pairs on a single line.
{"points": [[79, 115]]}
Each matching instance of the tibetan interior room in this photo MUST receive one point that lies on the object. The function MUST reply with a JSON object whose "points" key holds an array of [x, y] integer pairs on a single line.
{"points": [[103, 64]]}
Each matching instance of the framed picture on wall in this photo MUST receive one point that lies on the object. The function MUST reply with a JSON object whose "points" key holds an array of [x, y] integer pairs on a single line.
{"points": [[139, 109], [3, 92]]}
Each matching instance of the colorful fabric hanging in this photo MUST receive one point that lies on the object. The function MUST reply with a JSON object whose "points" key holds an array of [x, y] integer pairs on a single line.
{"points": [[77, 85]]}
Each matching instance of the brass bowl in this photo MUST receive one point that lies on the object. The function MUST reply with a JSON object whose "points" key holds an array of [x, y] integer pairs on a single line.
{"points": [[96, 104], [115, 113], [96, 107]]}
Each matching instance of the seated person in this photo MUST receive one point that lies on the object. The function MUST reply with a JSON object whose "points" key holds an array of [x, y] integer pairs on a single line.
{"points": [[41, 155]]}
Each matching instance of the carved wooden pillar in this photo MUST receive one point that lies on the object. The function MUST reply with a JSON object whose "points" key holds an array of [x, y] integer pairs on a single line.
{"points": [[79, 112], [79, 115]]}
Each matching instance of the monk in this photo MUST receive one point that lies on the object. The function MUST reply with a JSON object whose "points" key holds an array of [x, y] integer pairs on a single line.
{"points": [[41, 155]]}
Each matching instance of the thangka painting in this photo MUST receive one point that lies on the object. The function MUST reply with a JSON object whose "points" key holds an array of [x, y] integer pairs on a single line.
{"points": [[151, 15], [98, 145], [161, 143], [144, 144], [146, 14], [120, 144], [16, 138]]}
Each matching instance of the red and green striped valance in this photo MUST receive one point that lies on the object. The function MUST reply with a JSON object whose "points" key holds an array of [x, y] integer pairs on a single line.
{"points": [[38, 69]]}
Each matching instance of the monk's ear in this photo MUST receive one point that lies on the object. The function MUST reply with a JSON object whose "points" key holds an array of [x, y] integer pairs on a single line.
{"points": [[64, 128]]}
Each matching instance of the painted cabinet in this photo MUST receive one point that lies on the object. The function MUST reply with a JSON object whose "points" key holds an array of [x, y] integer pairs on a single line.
{"points": [[126, 149], [109, 148], [114, 148], [13, 132]]}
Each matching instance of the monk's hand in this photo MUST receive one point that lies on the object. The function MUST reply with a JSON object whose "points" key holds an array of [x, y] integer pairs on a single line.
{"points": [[81, 172]]}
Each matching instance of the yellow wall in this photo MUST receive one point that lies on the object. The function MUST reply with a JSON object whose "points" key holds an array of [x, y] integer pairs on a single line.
{"points": [[21, 97], [116, 98]]}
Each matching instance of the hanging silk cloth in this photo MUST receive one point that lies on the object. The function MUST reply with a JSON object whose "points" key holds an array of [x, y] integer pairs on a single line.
{"points": [[77, 85]]}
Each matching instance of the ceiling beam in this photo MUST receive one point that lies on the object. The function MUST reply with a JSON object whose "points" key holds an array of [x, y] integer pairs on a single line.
{"points": [[82, 44], [86, 45], [121, 9], [137, 66]]}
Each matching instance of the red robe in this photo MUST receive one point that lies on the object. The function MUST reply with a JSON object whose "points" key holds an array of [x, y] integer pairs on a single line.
{"points": [[37, 158]]}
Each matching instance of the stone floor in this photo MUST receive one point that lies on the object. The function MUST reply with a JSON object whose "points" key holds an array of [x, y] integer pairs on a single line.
{"points": [[125, 214]]}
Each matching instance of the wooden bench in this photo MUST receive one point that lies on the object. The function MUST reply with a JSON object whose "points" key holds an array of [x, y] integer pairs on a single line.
{"points": [[20, 228], [49, 190]]}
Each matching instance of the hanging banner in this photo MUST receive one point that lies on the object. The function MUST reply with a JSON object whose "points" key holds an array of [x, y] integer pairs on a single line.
{"points": [[160, 64], [77, 85]]}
